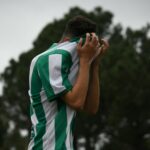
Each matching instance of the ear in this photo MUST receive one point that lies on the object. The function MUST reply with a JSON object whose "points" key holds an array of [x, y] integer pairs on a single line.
{"points": [[66, 39]]}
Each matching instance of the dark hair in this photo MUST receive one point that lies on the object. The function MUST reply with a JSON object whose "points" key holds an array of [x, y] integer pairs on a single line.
{"points": [[78, 26]]}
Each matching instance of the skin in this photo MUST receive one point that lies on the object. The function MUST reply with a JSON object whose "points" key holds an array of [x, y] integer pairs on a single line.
{"points": [[88, 78], [92, 100]]}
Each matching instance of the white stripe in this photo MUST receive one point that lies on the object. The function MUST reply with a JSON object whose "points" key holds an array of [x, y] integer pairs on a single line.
{"points": [[49, 137], [69, 47], [70, 114], [34, 119], [43, 95], [50, 109], [55, 77]]}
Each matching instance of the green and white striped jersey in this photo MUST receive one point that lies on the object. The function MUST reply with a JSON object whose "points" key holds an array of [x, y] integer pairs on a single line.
{"points": [[52, 73]]}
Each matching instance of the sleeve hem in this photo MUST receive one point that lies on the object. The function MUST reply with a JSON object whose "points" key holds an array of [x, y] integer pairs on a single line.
{"points": [[53, 97]]}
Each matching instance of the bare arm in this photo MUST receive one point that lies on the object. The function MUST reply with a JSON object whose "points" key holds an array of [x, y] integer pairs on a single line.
{"points": [[93, 95], [76, 98], [92, 100]]}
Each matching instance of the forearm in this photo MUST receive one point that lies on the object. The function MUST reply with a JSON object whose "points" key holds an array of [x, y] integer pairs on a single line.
{"points": [[77, 96], [93, 94]]}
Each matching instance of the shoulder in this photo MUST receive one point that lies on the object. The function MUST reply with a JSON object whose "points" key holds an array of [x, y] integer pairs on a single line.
{"points": [[69, 47], [53, 57], [64, 50]]}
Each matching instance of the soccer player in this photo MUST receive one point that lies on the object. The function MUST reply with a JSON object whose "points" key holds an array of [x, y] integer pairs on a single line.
{"points": [[62, 80]]}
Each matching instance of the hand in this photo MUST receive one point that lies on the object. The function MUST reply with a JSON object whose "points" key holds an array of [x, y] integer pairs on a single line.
{"points": [[103, 46], [88, 51]]}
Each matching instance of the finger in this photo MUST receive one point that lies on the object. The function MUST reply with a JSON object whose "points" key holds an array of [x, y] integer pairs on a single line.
{"points": [[105, 44], [102, 50], [98, 45], [98, 52], [94, 40], [87, 38]]}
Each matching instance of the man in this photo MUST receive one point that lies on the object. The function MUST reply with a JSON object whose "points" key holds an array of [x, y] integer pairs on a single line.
{"points": [[64, 79]]}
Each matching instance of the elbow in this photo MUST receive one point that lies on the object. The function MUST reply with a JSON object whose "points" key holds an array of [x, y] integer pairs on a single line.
{"points": [[77, 106]]}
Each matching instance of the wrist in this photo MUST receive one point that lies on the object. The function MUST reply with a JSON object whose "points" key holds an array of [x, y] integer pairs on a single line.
{"points": [[95, 68], [85, 62]]}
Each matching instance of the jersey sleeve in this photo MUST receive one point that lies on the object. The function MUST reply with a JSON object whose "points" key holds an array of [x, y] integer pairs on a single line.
{"points": [[53, 71]]}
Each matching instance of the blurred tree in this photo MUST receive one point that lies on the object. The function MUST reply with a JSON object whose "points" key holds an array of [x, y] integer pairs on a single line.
{"points": [[126, 88], [123, 117]]}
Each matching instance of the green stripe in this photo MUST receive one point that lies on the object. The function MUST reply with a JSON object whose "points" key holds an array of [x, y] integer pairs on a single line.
{"points": [[76, 39], [53, 45], [60, 126], [65, 70], [38, 109], [35, 86], [31, 110], [38, 141]]}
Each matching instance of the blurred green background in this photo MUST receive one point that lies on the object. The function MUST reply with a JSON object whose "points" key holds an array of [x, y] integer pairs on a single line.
{"points": [[123, 120]]}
